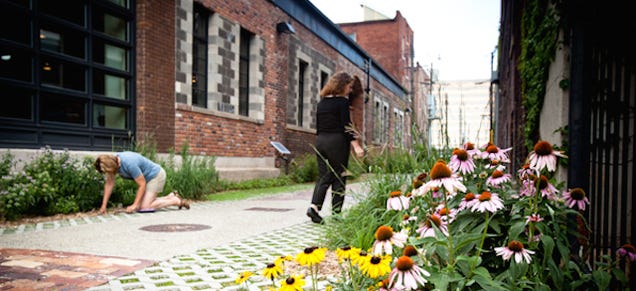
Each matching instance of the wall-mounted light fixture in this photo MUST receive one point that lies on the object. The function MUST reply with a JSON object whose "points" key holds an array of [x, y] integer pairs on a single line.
{"points": [[285, 27]]}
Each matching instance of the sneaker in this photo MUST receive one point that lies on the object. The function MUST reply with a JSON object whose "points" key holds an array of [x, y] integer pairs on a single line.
{"points": [[315, 217]]}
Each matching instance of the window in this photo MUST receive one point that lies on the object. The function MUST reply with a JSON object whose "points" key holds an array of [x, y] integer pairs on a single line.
{"points": [[244, 72], [381, 122], [200, 57], [302, 68], [66, 71], [324, 77], [398, 128]]}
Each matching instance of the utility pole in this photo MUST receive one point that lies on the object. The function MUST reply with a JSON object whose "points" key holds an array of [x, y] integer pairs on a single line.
{"points": [[430, 98], [491, 97]]}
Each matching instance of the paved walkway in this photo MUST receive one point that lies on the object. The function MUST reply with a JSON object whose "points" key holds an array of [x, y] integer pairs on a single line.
{"points": [[203, 248]]}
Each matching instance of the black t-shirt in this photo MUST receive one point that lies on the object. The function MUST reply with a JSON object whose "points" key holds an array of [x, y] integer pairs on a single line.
{"points": [[332, 116]]}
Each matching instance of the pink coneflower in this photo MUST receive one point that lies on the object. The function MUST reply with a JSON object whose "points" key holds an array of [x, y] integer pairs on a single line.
{"points": [[445, 213], [461, 162], [576, 197], [468, 201], [526, 172], [436, 193], [628, 251], [544, 156], [419, 180], [527, 187], [469, 147], [397, 201], [515, 248], [442, 176], [385, 238], [534, 218], [495, 165], [497, 178], [406, 219], [493, 152], [406, 275], [547, 189], [427, 229], [488, 201]]}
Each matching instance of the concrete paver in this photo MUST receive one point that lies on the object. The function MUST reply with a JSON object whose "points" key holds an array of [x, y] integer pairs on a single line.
{"points": [[238, 236]]}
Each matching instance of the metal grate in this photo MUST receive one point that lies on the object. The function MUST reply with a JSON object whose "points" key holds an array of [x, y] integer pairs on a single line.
{"points": [[178, 227], [612, 148], [268, 209]]}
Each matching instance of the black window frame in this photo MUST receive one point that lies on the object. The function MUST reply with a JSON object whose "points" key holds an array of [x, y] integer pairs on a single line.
{"points": [[200, 23], [34, 131]]}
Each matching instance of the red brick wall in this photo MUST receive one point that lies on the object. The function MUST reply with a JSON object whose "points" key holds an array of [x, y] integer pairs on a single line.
{"points": [[383, 40], [219, 134], [155, 59]]}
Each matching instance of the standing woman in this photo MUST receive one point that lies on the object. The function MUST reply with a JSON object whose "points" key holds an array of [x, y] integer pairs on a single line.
{"points": [[333, 143], [149, 176]]}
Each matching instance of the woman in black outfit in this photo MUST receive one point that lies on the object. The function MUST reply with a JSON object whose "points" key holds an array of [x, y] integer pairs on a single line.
{"points": [[335, 139]]}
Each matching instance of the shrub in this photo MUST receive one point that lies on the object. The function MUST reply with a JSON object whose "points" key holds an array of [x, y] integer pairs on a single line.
{"points": [[304, 169], [194, 178]]}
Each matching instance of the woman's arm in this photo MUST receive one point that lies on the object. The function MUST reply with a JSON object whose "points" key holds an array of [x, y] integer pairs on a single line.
{"points": [[357, 148], [108, 189]]}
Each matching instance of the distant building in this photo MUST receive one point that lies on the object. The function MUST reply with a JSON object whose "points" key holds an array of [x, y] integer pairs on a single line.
{"points": [[464, 114]]}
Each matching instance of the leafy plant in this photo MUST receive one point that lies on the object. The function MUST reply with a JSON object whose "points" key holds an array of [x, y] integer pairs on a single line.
{"points": [[472, 225], [194, 177]]}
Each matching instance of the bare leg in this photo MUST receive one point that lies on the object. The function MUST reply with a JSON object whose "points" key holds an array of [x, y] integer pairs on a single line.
{"points": [[165, 201]]}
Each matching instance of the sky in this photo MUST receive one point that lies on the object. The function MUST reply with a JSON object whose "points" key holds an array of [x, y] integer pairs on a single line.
{"points": [[456, 37]]}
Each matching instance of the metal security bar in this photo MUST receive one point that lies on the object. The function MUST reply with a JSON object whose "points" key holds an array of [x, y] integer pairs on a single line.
{"points": [[611, 182]]}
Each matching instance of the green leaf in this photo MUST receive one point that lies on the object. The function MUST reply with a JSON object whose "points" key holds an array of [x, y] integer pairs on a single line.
{"points": [[483, 278], [602, 279]]}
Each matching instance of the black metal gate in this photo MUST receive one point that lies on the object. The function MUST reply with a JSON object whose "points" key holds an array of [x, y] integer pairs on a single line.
{"points": [[602, 136]]}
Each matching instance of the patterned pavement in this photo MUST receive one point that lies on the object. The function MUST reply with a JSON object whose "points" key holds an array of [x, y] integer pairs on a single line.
{"points": [[214, 268]]}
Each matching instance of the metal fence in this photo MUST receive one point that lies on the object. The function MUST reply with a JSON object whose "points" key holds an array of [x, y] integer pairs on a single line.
{"points": [[611, 152]]}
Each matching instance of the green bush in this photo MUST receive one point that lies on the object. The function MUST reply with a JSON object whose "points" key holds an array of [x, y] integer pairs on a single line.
{"points": [[194, 178], [304, 168], [51, 183]]}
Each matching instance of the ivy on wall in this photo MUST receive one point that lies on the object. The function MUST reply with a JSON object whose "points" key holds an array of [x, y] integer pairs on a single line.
{"points": [[540, 25]]}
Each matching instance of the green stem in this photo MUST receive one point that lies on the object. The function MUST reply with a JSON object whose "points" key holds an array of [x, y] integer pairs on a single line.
{"points": [[451, 257], [314, 273], [483, 235], [353, 280]]}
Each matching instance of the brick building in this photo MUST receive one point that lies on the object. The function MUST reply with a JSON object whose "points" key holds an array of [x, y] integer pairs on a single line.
{"points": [[390, 42], [227, 78]]}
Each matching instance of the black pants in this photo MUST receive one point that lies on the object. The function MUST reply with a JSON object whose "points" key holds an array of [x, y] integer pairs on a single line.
{"points": [[333, 158]]}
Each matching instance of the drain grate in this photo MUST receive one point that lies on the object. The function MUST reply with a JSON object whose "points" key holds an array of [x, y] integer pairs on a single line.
{"points": [[269, 209], [178, 227]]}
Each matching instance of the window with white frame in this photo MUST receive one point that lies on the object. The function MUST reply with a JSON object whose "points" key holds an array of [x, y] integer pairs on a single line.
{"points": [[381, 121], [398, 128]]}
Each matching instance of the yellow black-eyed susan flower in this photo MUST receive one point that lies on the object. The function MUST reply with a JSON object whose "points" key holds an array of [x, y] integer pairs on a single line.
{"points": [[272, 271], [292, 283], [377, 266], [242, 277], [346, 253], [311, 256]]}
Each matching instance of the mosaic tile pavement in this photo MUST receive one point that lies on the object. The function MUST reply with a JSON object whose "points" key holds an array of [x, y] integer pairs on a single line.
{"points": [[217, 268]]}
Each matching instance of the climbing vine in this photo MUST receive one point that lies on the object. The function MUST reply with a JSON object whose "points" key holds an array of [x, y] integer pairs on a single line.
{"points": [[540, 25]]}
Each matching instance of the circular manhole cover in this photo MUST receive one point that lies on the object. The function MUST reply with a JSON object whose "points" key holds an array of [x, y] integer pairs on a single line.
{"points": [[177, 227]]}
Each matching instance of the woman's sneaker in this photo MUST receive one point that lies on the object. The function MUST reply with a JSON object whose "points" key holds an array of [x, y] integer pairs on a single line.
{"points": [[315, 217]]}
